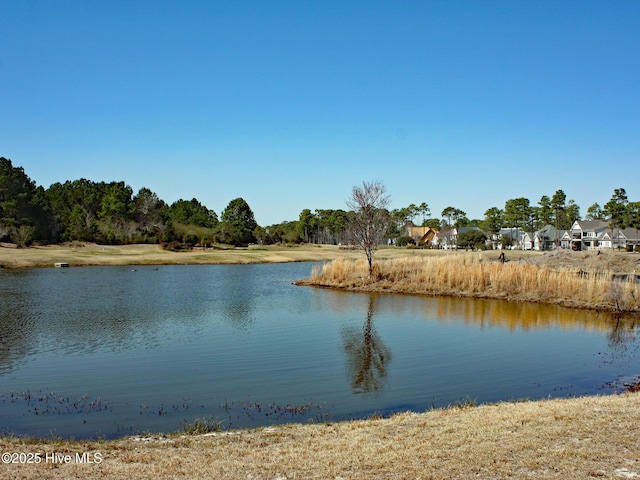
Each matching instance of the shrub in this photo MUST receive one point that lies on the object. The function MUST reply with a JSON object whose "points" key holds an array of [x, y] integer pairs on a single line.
{"points": [[404, 241], [201, 426], [176, 246], [472, 239], [23, 235]]}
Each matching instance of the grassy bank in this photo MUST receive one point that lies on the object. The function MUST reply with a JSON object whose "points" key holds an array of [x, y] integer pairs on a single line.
{"points": [[88, 254], [91, 254], [590, 437], [477, 275]]}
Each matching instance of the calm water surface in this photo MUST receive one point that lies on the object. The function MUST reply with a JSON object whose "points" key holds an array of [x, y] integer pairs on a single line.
{"points": [[112, 351]]}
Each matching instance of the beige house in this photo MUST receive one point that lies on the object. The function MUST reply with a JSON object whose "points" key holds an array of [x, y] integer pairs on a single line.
{"points": [[424, 235]]}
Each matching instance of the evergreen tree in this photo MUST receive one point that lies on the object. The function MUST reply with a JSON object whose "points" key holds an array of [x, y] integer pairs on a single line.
{"points": [[18, 203], [238, 223], [545, 211], [595, 212], [192, 212], [616, 208], [616, 211]]}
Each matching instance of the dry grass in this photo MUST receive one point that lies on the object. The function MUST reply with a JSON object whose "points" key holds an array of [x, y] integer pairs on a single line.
{"points": [[476, 275], [85, 254], [590, 261], [590, 437]]}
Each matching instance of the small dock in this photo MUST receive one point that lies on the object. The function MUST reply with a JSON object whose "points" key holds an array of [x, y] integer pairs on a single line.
{"points": [[61, 265]]}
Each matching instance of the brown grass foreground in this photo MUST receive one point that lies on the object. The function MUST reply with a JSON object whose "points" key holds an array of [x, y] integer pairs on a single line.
{"points": [[472, 275], [590, 437]]}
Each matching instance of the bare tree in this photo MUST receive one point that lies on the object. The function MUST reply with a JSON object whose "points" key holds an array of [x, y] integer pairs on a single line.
{"points": [[370, 217]]}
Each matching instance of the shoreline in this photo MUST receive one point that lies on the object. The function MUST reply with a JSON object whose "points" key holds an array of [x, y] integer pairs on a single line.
{"points": [[596, 286], [78, 254], [455, 294], [581, 437]]}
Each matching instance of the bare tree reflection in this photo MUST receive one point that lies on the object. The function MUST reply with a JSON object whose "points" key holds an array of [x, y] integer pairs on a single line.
{"points": [[623, 331], [367, 356]]}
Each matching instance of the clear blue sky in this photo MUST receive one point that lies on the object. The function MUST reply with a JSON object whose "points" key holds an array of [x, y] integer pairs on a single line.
{"points": [[288, 104]]}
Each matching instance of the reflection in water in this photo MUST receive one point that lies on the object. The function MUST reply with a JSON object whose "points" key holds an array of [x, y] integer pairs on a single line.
{"points": [[16, 331], [491, 313], [367, 356], [623, 331], [517, 315], [238, 294], [84, 310]]}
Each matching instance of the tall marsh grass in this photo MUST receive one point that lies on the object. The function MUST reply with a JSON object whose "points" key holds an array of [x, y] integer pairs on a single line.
{"points": [[469, 275]]}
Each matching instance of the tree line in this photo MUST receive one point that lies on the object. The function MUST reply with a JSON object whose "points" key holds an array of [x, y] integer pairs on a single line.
{"points": [[520, 213], [84, 210]]}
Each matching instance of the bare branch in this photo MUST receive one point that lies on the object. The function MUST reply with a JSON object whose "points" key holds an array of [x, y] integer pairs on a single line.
{"points": [[370, 217]]}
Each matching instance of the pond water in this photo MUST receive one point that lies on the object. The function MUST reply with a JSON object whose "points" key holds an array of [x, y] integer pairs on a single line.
{"points": [[113, 351]]}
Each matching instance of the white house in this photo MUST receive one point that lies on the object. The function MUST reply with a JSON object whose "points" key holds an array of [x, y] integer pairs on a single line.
{"points": [[594, 234], [587, 235], [520, 240], [547, 238]]}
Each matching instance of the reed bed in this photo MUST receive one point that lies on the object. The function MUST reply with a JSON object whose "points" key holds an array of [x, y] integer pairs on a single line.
{"points": [[471, 276]]}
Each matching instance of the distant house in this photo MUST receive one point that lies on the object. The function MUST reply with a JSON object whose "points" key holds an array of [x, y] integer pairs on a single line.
{"points": [[627, 237], [596, 234], [520, 239], [547, 238], [428, 237], [447, 238], [420, 235], [440, 239], [587, 235]]}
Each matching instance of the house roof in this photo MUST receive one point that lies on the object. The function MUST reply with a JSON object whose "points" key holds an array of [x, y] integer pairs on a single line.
{"points": [[630, 233], [429, 236], [549, 232], [592, 225], [513, 232], [415, 231]]}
